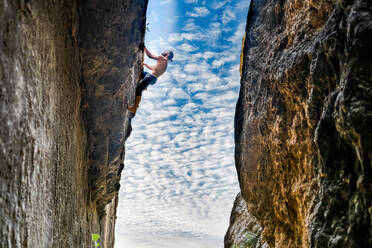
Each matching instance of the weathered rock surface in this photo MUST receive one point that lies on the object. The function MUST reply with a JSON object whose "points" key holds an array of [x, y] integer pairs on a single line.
{"points": [[244, 230], [304, 124], [67, 70], [110, 36]]}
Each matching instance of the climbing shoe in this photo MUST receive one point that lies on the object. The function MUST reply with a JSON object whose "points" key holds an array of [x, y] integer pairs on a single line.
{"points": [[135, 107]]}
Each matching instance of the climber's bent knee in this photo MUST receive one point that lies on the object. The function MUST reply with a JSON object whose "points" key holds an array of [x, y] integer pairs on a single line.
{"points": [[146, 81]]}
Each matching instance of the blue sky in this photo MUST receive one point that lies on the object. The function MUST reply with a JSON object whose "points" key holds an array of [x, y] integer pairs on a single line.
{"points": [[179, 181]]}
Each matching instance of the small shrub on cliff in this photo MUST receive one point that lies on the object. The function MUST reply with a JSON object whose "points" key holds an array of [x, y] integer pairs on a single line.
{"points": [[251, 240]]}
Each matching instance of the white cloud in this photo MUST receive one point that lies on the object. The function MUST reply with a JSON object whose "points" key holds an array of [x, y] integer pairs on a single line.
{"points": [[227, 16], [191, 1], [190, 26], [219, 4], [242, 5], [177, 37], [198, 12], [213, 32], [190, 36], [186, 47], [221, 61], [164, 2], [190, 68], [177, 93], [237, 37]]}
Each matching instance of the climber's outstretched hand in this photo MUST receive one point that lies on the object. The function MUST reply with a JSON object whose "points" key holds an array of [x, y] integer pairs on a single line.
{"points": [[150, 55]]}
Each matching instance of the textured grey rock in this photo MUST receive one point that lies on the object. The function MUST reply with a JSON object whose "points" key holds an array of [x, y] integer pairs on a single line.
{"points": [[110, 34], [67, 70], [244, 230], [304, 122]]}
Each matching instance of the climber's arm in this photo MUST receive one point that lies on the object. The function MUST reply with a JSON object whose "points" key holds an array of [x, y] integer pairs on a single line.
{"points": [[150, 55], [149, 66]]}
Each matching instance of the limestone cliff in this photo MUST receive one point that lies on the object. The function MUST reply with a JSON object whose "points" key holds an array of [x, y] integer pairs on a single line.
{"points": [[68, 69], [303, 126]]}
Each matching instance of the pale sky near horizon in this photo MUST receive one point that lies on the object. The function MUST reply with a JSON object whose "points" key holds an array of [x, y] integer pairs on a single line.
{"points": [[179, 182]]}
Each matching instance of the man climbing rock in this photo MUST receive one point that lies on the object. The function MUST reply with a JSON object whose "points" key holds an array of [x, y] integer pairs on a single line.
{"points": [[151, 78]]}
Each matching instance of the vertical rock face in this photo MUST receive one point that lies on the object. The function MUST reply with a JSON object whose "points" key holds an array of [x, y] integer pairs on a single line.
{"points": [[67, 71], [244, 230], [303, 126], [110, 34]]}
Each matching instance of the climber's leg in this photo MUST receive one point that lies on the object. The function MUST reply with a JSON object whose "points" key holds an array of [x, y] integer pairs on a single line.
{"points": [[148, 79], [135, 107]]}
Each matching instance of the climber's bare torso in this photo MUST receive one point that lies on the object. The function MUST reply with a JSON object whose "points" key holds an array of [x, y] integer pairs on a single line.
{"points": [[160, 67], [161, 64]]}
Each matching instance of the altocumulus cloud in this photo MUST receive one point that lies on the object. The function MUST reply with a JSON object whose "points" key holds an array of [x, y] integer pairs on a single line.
{"points": [[198, 12], [179, 182]]}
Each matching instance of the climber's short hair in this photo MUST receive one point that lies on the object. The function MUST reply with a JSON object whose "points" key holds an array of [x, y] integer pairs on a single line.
{"points": [[170, 57]]}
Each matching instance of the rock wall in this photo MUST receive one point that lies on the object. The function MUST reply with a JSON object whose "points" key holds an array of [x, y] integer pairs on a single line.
{"points": [[67, 71], [303, 125], [110, 37], [244, 230]]}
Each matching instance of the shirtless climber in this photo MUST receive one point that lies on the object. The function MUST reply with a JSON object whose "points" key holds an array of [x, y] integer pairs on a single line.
{"points": [[151, 78]]}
